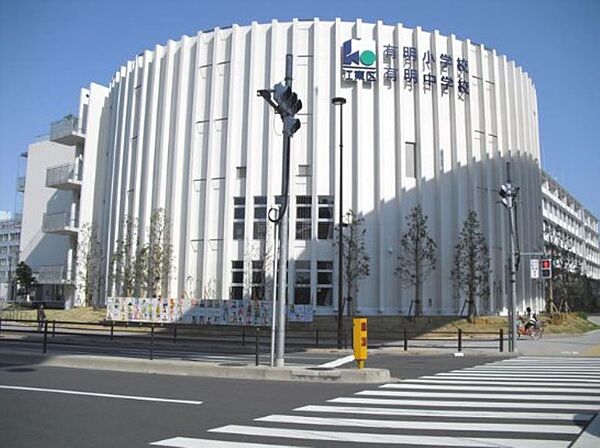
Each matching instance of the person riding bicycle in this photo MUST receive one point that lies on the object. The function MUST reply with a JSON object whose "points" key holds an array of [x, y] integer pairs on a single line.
{"points": [[530, 319]]}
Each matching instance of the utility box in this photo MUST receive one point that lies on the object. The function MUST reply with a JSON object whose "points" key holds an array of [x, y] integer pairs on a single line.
{"points": [[359, 331]]}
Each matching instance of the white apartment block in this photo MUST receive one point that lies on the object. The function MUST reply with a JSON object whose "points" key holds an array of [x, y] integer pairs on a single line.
{"points": [[579, 227], [10, 235]]}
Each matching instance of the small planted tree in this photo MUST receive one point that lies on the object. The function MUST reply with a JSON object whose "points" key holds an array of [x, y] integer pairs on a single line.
{"points": [[25, 279], [471, 264], [566, 267], [355, 258], [159, 254], [122, 261], [89, 260], [417, 255]]}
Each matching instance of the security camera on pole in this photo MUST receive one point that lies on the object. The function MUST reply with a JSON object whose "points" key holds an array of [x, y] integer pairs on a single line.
{"points": [[508, 193], [285, 103]]}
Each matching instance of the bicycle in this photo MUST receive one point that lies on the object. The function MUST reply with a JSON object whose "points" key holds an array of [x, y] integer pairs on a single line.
{"points": [[535, 332]]}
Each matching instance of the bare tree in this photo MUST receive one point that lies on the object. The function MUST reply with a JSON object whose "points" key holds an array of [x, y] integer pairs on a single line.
{"points": [[471, 263], [89, 260], [355, 258], [159, 253], [566, 266], [417, 255], [122, 261]]}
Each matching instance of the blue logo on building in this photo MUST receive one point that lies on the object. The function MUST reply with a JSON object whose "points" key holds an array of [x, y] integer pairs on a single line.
{"points": [[358, 61]]}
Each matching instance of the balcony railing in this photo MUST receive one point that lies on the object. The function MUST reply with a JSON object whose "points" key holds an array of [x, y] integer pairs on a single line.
{"points": [[61, 223], [67, 131], [64, 176], [21, 184], [54, 275]]}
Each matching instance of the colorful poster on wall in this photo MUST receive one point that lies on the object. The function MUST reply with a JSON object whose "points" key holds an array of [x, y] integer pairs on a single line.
{"points": [[201, 312]]}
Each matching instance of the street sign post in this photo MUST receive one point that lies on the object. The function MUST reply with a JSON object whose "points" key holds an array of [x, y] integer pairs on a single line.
{"points": [[534, 265]]}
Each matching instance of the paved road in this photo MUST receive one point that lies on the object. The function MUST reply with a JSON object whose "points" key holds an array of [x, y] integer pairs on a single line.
{"points": [[444, 400], [522, 402]]}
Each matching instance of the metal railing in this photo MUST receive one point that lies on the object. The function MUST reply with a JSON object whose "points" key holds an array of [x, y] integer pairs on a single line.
{"points": [[65, 127], [21, 184], [62, 174], [55, 222], [174, 339], [53, 275]]}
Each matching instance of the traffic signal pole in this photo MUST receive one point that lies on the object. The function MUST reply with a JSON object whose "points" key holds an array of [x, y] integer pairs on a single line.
{"points": [[285, 103], [508, 193], [283, 233]]}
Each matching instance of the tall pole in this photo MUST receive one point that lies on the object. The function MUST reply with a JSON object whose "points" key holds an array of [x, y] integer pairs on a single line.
{"points": [[283, 233], [512, 343], [339, 101]]}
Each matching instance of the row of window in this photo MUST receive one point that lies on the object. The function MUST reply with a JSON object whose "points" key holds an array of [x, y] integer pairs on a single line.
{"points": [[11, 237], [302, 281], [304, 229]]}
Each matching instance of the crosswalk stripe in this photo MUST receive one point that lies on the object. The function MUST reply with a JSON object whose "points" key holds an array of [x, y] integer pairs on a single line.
{"points": [[491, 388], [513, 376], [385, 439], [388, 393], [553, 372], [424, 380], [571, 417], [467, 404], [187, 442], [423, 424]]}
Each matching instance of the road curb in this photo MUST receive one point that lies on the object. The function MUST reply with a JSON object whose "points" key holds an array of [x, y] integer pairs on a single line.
{"points": [[201, 369], [590, 437]]}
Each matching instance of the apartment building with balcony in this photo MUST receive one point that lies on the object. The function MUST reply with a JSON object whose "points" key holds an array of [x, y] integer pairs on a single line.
{"points": [[10, 235], [576, 227], [54, 189]]}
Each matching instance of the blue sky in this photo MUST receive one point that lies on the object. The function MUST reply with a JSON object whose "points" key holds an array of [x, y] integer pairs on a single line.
{"points": [[50, 49]]}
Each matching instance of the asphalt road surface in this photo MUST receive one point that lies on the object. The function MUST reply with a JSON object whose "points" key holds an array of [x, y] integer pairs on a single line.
{"points": [[442, 401]]}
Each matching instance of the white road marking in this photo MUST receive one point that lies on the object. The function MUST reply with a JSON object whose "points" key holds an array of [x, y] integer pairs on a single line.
{"points": [[94, 394], [339, 362], [517, 389], [512, 376], [467, 404], [186, 442], [499, 381], [448, 413], [358, 437], [423, 424], [537, 397]]}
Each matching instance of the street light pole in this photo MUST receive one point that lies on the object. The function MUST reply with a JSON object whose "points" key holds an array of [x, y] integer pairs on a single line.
{"points": [[340, 101]]}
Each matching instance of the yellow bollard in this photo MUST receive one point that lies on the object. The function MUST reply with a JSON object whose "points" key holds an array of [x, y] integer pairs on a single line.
{"points": [[359, 330]]}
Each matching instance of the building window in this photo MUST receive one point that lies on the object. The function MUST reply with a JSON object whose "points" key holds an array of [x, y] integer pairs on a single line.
{"points": [[304, 170], [239, 211], [258, 280], [302, 283], [237, 280], [325, 229], [260, 217], [411, 159], [324, 283], [303, 218], [240, 172]]}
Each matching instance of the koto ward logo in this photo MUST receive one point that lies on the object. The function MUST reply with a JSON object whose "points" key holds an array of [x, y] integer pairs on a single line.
{"points": [[361, 57], [359, 61]]}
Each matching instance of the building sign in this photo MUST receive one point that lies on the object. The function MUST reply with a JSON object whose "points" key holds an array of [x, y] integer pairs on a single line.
{"points": [[359, 61]]}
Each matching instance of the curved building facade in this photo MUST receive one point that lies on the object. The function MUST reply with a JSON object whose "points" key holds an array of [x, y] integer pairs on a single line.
{"points": [[429, 120]]}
